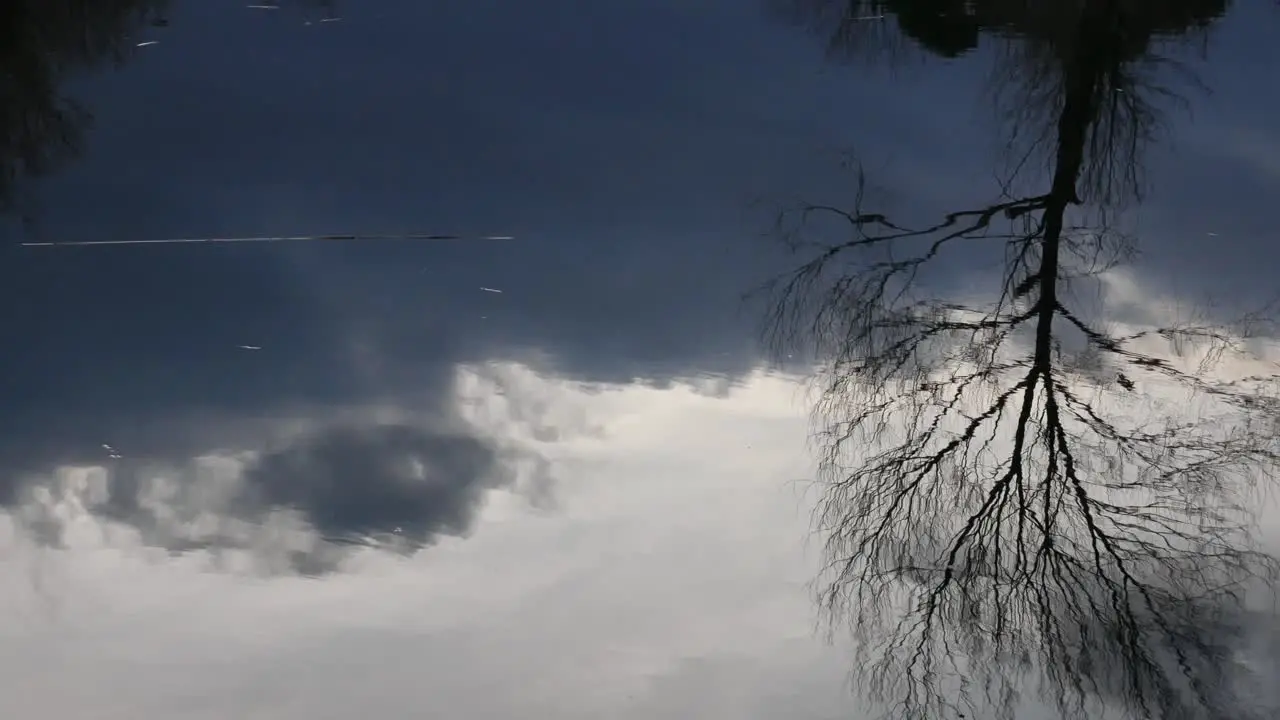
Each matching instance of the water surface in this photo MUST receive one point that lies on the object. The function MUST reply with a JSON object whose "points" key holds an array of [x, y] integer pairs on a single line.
{"points": [[549, 476]]}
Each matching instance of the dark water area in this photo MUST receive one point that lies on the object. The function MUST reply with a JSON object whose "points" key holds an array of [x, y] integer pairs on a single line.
{"points": [[633, 156]]}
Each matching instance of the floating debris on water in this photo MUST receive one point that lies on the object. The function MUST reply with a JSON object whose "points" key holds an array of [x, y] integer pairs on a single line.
{"points": [[491, 290], [249, 347], [148, 42]]}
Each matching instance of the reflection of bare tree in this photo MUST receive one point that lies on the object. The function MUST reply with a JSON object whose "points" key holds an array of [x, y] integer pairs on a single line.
{"points": [[42, 44], [996, 509], [1028, 83], [952, 27]]}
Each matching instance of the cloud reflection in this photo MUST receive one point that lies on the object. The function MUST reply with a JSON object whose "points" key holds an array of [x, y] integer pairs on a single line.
{"points": [[670, 566], [303, 499]]}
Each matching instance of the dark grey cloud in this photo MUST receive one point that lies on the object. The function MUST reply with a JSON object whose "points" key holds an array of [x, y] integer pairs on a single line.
{"points": [[301, 506], [353, 482], [622, 156]]}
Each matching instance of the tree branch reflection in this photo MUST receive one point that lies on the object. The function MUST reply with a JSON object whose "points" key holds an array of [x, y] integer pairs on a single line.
{"points": [[1017, 492]]}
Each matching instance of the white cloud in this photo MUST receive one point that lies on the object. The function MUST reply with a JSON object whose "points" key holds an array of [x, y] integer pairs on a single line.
{"points": [[669, 578]]}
